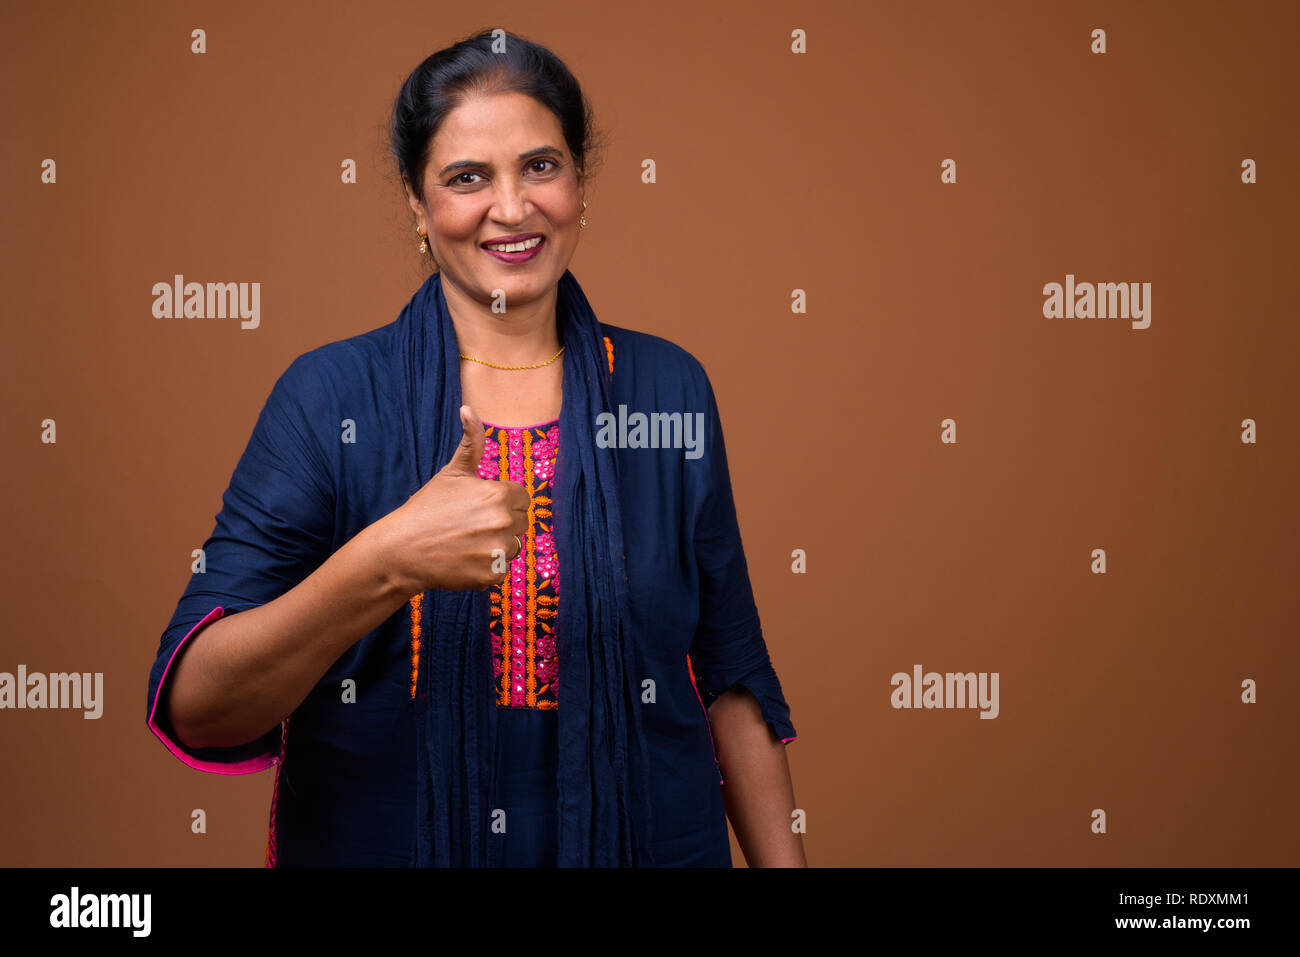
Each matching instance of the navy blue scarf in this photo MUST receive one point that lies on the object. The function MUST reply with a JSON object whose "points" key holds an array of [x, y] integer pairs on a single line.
{"points": [[602, 778]]}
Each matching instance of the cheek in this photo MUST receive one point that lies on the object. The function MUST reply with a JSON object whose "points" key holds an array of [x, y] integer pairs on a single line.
{"points": [[454, 220], [560, 206], [565, 219]]}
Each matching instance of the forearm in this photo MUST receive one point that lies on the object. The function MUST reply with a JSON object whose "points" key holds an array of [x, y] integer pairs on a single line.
{"points": [[242, 675], [757, 791]]}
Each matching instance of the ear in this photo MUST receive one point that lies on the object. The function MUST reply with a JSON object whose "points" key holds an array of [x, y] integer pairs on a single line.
{"points": [[412, 200]]}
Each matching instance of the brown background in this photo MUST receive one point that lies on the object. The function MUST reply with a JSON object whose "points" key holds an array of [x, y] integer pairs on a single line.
{"points": [[776, 172]]}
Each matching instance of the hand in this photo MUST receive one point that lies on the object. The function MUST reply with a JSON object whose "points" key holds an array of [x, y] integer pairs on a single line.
{"points": [[446, 533]]}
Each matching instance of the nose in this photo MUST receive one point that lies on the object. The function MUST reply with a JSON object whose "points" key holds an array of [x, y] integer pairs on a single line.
{"points": [[510, 201]]}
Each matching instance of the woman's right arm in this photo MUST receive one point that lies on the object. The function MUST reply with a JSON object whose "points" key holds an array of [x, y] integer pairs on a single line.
{"points": [[245, 672]]}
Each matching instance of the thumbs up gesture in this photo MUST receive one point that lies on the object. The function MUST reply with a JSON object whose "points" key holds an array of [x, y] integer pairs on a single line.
{"points": [[457, 530]]}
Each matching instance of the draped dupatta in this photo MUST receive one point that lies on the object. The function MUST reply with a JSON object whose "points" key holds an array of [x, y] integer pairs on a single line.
{"points": [[602, 778]]}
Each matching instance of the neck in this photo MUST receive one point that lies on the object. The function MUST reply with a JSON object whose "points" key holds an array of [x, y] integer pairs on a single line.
{"points": [[525, 333]]}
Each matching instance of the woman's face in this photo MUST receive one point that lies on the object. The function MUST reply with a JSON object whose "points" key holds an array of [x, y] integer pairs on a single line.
{"points": [[499, 168]]}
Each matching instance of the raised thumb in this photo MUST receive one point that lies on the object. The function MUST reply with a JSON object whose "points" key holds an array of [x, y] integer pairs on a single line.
{"points": [[466, 458]]}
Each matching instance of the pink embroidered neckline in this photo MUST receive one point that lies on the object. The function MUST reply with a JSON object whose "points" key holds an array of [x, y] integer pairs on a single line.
{"points": [[519, 428], [523, 607]]}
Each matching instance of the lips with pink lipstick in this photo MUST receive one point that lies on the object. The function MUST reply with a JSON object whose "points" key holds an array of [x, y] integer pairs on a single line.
{"points": [[518, 247]]}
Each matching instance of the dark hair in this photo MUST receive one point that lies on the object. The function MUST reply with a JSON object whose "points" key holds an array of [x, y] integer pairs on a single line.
{"points": [[446, 78]]}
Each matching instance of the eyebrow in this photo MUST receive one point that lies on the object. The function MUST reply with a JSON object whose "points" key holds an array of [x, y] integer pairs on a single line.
{"points": [[463, 164]]}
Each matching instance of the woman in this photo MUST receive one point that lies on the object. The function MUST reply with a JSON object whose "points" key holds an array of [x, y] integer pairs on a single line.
{"points": [[458, 672]]}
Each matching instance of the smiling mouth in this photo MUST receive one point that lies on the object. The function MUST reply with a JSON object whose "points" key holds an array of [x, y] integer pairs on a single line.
{"points": [[520, 247], [516, 254]]}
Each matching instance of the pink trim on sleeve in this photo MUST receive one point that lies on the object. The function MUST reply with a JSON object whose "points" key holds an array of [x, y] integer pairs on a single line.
{"points": [[247, 766], [788, 740]]}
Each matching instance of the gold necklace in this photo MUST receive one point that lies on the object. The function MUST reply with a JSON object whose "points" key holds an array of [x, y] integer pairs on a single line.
{"points": [[495, 366]]}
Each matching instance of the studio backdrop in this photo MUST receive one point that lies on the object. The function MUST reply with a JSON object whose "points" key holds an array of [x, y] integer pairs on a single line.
{"points": [[998, 301]]}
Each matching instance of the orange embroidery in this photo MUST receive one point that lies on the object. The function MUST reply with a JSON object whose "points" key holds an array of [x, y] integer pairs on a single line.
{"points": [[501, 598], [416, 602], [524, 663]]}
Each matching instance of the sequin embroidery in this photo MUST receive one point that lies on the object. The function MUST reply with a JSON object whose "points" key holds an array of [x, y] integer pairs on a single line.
{"points": [[524, 606]]}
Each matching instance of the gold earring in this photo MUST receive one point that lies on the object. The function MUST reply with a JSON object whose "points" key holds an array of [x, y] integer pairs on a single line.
{"points": [[424, 248], [582, 220]]}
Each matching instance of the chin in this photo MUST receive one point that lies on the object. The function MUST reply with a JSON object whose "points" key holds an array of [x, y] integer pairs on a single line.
{"points": [[518, 288]]}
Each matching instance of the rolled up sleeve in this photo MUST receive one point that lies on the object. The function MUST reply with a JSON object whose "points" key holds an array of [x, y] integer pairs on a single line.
{"points": [[240, 759], [729, 650], [275, 527]]}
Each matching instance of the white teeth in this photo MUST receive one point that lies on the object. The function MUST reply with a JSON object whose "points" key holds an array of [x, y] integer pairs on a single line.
{"points": [[516, 247]]}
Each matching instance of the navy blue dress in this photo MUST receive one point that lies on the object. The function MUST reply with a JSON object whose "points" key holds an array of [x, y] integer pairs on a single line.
{"points": [[345, 788], [524, 788], [525, 676]]}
